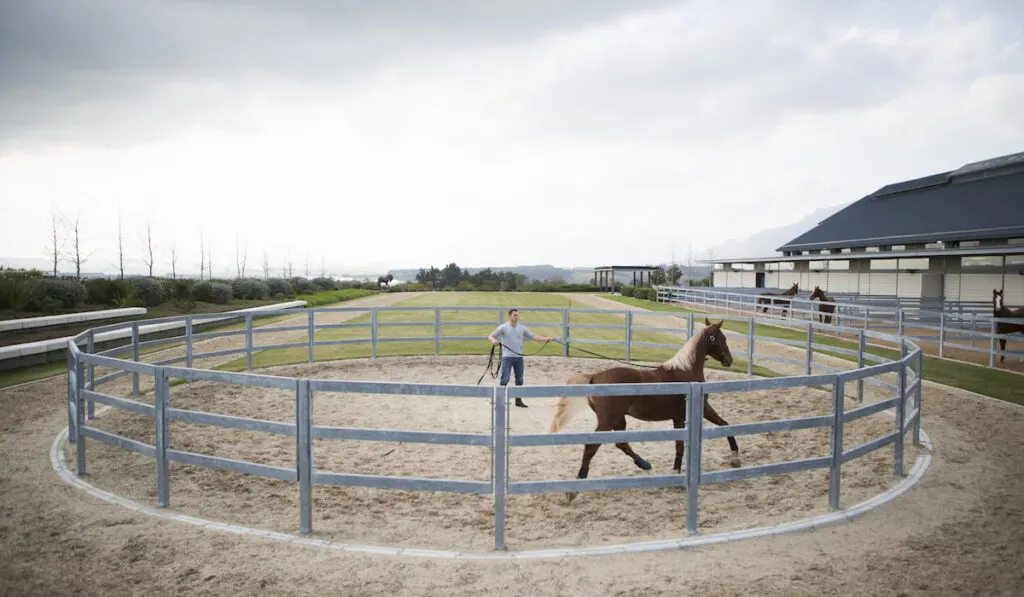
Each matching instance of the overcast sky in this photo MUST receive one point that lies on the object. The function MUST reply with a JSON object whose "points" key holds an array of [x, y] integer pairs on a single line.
{"points": [[406, 133]]}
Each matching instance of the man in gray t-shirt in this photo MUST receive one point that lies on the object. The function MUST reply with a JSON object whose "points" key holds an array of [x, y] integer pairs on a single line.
{"points": [[511, 335]]}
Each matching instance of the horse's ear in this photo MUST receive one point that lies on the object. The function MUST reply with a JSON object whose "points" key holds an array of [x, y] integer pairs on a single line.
{"points": [[720, 323], [707, 321]]}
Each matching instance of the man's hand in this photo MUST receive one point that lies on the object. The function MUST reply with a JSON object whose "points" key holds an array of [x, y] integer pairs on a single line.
{"points": [[493, 341]]}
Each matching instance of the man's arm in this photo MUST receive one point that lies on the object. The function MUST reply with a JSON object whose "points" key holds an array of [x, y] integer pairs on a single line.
{"points": [[531, 336], [496, 332]]}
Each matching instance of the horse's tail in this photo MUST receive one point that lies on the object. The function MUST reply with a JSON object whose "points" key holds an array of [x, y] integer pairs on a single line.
{"points": [[566, 408]]}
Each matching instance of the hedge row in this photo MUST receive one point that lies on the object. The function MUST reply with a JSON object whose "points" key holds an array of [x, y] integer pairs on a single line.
{"points": [[643, 292], [32, 292]]}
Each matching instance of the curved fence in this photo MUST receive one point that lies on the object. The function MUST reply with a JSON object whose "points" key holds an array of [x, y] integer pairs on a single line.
{"points": [[84, 391], [942, 326]]}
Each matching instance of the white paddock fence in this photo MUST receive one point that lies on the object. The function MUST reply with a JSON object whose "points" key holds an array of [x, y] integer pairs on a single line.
{"points": [[85, 389], [949, 325]]}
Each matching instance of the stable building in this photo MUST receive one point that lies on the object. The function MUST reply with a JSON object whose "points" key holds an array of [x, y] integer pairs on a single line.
{"points": [[954, 236]]}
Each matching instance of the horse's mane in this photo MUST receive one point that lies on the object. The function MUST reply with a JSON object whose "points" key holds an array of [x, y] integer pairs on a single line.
{"points": [[685, 358]]}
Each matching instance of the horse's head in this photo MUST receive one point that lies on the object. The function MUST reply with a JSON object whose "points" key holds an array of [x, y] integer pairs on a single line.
{"points": [[795, 288], [715, 344], [817, 294]]}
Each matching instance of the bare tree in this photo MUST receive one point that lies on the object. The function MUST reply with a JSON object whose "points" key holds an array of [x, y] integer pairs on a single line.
{"points": [[209, 261], [120, 245], [76, 246], [240, 258], [147, 256], [202, 253], [266, 264], [288, 265], [307, 265], [55, 248], [174, 261]]}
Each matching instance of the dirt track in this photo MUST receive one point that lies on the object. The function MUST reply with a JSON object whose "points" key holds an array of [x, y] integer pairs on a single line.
{"points": [[960, 531]]}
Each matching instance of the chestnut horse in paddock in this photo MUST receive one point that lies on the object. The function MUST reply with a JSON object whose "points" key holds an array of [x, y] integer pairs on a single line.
{"points": [[766, 299], [828, 306], [1000, 310], [687, 365]]}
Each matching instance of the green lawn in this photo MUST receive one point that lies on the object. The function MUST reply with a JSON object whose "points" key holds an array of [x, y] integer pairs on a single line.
{"points": [[478, 324], [997, 383]]}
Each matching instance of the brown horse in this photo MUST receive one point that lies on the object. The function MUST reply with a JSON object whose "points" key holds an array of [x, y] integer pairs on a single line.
{"points": [[828, 306], [766, 299], [686, 365], [1000, 310]]}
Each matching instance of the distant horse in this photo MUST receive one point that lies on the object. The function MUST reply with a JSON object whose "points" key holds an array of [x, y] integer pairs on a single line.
{"points": [[828, 306], [765, 299], [1000, 310], [385, 281], [686, 365]]}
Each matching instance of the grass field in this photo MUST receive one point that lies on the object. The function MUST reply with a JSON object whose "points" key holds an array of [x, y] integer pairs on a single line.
{"points": [[1004, 385], [404, 333]]}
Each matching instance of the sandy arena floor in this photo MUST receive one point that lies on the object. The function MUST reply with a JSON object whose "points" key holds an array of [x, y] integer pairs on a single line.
{"points": [[960, 531]]}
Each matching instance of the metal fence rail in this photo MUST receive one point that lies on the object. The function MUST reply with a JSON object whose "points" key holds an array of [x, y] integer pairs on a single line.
{"points": [[949, 325], [83, 392]]}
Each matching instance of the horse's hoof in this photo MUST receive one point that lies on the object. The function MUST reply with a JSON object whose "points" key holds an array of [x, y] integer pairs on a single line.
{"points": [[570, 496], [734, 462], [643, 464]]}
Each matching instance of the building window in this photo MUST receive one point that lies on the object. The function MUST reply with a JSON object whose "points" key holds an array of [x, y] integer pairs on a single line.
{"points": [[839, 265], [743, 267], [981, 261], [781, 266], [818, 266], [870, 249], [885, 264], [919, 264], [846, 251], [899, 247], [937, 245], [964, 244], [719, 267], [1015, 241], [1015, 260]]}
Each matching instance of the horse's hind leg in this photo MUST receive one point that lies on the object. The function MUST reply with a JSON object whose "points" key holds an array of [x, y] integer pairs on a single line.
{"points": [[711, 415], [1002, 349], [628, 451], [589, 451], [677, 466]]}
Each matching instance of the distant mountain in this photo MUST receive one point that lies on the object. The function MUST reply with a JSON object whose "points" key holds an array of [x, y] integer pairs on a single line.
{"points": [[765, 242]]}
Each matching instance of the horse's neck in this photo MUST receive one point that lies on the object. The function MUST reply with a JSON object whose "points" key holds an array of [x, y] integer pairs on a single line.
{"points": [[688, 360]]}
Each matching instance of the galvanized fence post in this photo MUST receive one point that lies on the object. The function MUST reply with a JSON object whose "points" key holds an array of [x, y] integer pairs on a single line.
{"points": [[499, 445], [437, 331], [689, 325], [861, 347], [901, 406], [565, 332], [188, 341], [942, 332], [629, 333], [810, 347], [694, 418], [248, 342], [90, 347], [304, 453], [162, 396], [72, 407], [373, 332], [750, 345], [920, 385], [899, 321], [135, 357], [79, 418], [311, 332], [835, 474], [992, 346], [867, 318]]}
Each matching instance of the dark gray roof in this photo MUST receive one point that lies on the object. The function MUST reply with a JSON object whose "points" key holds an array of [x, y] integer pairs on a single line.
{"points": [[982, 200]]}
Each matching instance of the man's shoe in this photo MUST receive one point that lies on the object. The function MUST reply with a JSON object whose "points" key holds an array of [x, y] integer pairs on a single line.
{"points": [[519, 402]]}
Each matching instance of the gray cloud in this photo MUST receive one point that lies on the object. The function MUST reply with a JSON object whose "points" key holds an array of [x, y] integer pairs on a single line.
{"points": [[97, 70], [762, 65]]}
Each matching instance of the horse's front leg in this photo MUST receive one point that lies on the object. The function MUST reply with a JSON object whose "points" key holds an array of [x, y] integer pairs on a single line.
{"points": [[711, 415], [589, 451]]}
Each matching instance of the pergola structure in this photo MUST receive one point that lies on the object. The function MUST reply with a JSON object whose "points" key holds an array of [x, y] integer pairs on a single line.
{"points": [[604, 276]]}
